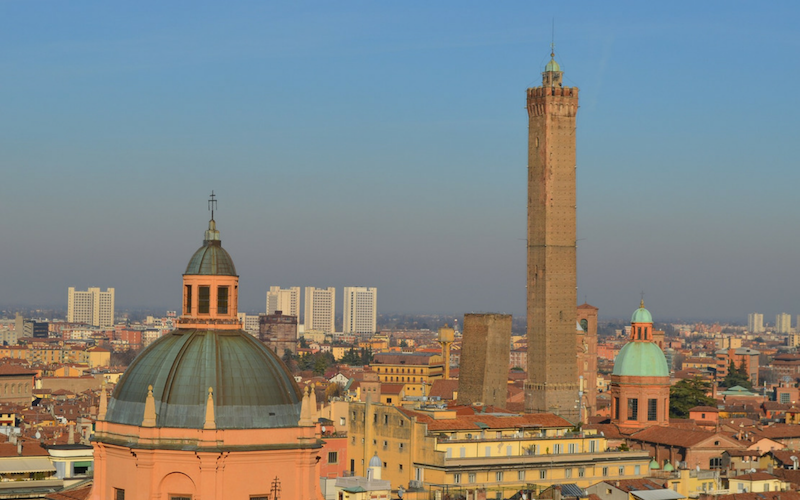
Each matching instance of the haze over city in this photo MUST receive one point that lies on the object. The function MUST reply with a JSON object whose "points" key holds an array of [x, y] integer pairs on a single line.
{"points": [[385, 145]]}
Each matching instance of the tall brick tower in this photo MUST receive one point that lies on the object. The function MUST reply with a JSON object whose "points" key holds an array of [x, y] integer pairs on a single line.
{"points": [[552, 384]]}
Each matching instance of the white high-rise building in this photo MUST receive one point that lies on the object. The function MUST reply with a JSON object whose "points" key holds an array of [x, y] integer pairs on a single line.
{"points": [[286, 300], [92, 307], [320, 309], [783, 323], [360, 309], [755, 323]]}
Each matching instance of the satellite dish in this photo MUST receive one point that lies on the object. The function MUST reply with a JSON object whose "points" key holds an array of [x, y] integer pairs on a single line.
{"points": [[323, 429], [38, 435]]}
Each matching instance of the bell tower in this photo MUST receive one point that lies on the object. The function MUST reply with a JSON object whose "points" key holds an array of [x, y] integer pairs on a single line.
{"points": [[552, 384]]}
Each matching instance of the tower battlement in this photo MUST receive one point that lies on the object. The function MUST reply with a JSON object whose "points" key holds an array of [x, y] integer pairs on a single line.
{"points": [[562, 101]]}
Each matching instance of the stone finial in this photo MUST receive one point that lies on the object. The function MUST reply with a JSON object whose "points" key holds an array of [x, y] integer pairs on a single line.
{"points": [[305, 410], [149, 409], [101, 412], [210, 422]]}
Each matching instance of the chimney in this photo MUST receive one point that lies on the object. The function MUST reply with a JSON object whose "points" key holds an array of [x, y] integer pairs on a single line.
{"points": [[19, 448]]}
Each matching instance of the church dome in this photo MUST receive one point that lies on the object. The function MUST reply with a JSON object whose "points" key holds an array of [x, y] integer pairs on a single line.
{"points": [[251, 386], [641, 315], [211, 258], [641, 359], [375, 461], [552, 66]]}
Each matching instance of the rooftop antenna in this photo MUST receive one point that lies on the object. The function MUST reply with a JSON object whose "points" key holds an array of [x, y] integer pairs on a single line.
{"points": [[553, 39], [212, 204]]}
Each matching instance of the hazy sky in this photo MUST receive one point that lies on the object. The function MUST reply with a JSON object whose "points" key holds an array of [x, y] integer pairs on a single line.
{"points": [[384, 144]]}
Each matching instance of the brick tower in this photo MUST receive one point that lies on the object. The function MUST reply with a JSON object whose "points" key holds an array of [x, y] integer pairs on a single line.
{"points": [[552, 384]]}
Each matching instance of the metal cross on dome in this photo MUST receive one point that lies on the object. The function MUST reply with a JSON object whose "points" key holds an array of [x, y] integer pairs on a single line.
{"points": [[212, 204]]}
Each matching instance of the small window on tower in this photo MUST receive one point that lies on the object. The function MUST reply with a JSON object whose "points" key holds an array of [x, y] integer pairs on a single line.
{"points": [[222, 300], [203, 299]]}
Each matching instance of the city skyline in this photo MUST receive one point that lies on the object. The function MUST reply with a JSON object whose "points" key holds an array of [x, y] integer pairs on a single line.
{"points": [[386, 145]]}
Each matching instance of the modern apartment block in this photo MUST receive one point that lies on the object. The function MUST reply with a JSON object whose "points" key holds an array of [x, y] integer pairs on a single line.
{"points": [[783, 323], [755, 323], [360, 309], [92, 307], [320, 309], [286, 300]]}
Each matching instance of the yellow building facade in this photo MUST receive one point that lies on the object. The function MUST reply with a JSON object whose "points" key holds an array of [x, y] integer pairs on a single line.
{"points": [[416, 371], [461, 452]]}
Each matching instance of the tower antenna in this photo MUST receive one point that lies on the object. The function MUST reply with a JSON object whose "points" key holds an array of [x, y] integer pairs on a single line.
{"points": [[553, 39], [212, 204]]}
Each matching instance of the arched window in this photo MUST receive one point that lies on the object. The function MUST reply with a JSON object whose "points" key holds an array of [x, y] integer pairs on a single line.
{"points": [[585, 325]]}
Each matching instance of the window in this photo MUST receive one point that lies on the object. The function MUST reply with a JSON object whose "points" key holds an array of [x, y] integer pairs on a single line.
{"points": [[203, 299], [401, 447], [188, 299], [605, 471], [616, 408], [592, 446], [498, 476], [508, 451], [462, 452], [401, 467], [568, 473], [637, 469], [572, 448], [386, 418], [633, 409], [785, 398], [374, 418], [556, 449], [521, 475], [119, 494], [581, 471], [180, 497], [386, 445], [448, 453], [342, 421], [488, 451], [471, 477], [542, 474], [222, 300], [259, 497], [652, 410], [715, 463], [333, 457], [456, 478], [622, 471], [402, 422]]}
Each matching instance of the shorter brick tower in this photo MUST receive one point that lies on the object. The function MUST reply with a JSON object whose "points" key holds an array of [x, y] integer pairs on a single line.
{"points": [[640, 380], [485, 350]]}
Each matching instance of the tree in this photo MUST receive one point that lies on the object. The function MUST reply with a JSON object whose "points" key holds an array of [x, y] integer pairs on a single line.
{"points": [[687, 394], [737, 376], [351, 357], [366, 356]]}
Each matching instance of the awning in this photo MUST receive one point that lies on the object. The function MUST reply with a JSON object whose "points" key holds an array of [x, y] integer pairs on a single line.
{"points": [[85, 463], [16, 465]]}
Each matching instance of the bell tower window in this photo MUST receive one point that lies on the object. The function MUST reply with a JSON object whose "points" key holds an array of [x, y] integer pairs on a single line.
{"points": [[203, 299], [222, 300]]}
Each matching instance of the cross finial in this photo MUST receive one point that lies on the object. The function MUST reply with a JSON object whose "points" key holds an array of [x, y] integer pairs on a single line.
{"points": [[212, 204], [641, 304]]}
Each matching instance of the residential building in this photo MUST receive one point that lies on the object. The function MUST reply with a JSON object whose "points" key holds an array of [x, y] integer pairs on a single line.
{"points": [[320, 309], [755, 323], [360, 310], [286, 300], [417, 371], [92, 307], [783, 323], [481, 455]]}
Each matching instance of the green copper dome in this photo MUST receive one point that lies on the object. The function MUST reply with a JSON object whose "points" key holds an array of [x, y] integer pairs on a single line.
{"points": [[654, 465], [251, 386], [641, 359], [552, 66], [211, 258], [668, 467], [641, 315]]}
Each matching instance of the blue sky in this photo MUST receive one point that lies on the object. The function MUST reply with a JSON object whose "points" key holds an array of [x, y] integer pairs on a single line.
{"points": [[384, 144]]}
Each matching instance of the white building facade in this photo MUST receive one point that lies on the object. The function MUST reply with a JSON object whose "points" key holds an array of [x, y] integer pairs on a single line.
{"points": [[755, 323], [320, 309], [286, 300], [783, 323], [360, 309], [92, 307]]}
